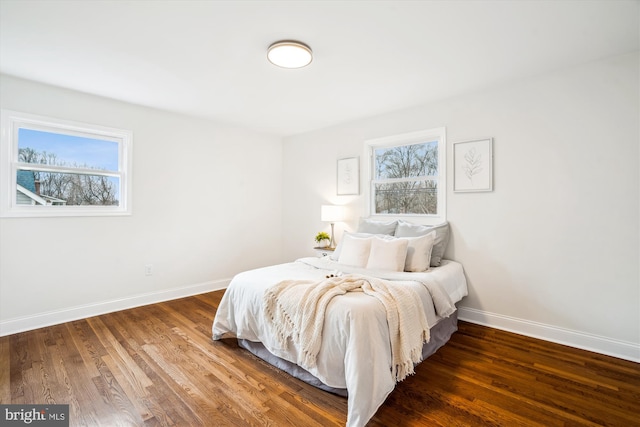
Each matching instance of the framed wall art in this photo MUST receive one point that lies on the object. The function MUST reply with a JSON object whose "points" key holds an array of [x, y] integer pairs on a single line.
{"points": [[348, 176], [473, 165]]}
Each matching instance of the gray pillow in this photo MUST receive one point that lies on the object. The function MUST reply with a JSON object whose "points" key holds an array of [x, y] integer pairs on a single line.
{"points": [[407, 229], [377, 227]]}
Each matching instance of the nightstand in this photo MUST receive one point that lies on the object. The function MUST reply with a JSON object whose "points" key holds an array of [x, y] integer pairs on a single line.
{"points": [[323, 252]]}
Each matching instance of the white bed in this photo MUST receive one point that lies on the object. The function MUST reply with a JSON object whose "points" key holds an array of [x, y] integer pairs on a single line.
{"points": [[355, 355]]}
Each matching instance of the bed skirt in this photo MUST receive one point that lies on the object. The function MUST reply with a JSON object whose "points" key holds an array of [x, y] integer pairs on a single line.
{"points": [[440, 333]]}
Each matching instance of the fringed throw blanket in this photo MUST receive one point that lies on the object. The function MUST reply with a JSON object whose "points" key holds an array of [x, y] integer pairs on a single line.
{"points": [[296, 309]]}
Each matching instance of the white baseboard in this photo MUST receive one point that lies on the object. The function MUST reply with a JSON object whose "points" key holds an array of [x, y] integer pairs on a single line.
{"points": [[39, 320], [599, 344]]}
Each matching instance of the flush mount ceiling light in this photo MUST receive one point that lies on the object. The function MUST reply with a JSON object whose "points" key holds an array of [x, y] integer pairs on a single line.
{"points": [[289, 54]]}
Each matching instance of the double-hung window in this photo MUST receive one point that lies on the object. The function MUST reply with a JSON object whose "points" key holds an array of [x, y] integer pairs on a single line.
{"points": [[52, 167], [407, 175]]}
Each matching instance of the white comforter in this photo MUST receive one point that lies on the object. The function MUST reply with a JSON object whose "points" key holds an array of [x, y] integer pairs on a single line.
{"points": [[355, 352]]}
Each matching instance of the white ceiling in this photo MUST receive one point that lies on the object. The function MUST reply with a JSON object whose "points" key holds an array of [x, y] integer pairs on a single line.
{"points": [[208, 58]]}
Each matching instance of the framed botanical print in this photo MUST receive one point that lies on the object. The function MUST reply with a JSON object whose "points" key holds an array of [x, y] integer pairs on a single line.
{"points": [[348, 176], [473, 165]]}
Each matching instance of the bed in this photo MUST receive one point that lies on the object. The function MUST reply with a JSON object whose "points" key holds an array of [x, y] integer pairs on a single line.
{"points": [[356, 354]]}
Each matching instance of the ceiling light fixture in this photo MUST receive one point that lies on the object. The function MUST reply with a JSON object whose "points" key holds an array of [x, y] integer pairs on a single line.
{"points": [[289, 54]]}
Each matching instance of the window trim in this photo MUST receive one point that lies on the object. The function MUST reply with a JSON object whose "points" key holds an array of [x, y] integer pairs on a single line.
{"points": [[409, 138], [11, 121]]}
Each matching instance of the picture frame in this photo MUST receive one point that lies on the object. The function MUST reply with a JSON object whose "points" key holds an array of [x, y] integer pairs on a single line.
{"points": [[473, 165], [348, 179]]}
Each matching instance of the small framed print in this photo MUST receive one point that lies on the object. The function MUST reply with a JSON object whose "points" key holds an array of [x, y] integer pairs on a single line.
{"points": [[348, 176], [473, 165]]}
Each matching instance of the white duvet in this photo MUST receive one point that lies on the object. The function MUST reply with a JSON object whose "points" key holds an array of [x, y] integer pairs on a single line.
{"points": [[355, 353]]}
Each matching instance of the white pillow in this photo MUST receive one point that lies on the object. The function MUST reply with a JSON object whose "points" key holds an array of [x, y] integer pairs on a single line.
{"points": [[419, 252], [407, 229], [354, 251], [387, 254], [336, 254]]}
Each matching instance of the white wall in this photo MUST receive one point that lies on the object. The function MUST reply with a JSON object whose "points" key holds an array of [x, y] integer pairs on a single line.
{"points": [[206, 205], [553, 251]]}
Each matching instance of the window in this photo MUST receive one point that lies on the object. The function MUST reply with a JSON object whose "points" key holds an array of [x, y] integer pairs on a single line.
{"points": [[52, 167], [407, 175]]}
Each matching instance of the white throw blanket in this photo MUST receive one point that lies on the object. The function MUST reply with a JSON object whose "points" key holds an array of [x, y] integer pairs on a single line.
{"points": [[296, 309]]}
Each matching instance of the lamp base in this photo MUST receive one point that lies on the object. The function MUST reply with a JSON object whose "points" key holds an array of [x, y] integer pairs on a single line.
{"points": [[332, 245]]}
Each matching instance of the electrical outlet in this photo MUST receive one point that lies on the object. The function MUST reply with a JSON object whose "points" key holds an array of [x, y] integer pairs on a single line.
{"points": [[148, 270]]}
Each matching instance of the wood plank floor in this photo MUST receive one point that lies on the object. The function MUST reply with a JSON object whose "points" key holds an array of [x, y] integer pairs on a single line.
{"points": [[157, 365]]}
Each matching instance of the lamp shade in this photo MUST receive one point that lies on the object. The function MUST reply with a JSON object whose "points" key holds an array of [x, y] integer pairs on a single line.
{"points": [[331, 213]]}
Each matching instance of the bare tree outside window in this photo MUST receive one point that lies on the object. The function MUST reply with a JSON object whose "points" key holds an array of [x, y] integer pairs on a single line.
{"points": [[73, 188], [406, 179]]}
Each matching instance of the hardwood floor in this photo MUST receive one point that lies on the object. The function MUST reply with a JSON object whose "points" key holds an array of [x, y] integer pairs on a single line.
{"points": [[157, 365]]}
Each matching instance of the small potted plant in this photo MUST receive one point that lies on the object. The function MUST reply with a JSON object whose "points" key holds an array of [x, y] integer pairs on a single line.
{"points": [[323, 239]]}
